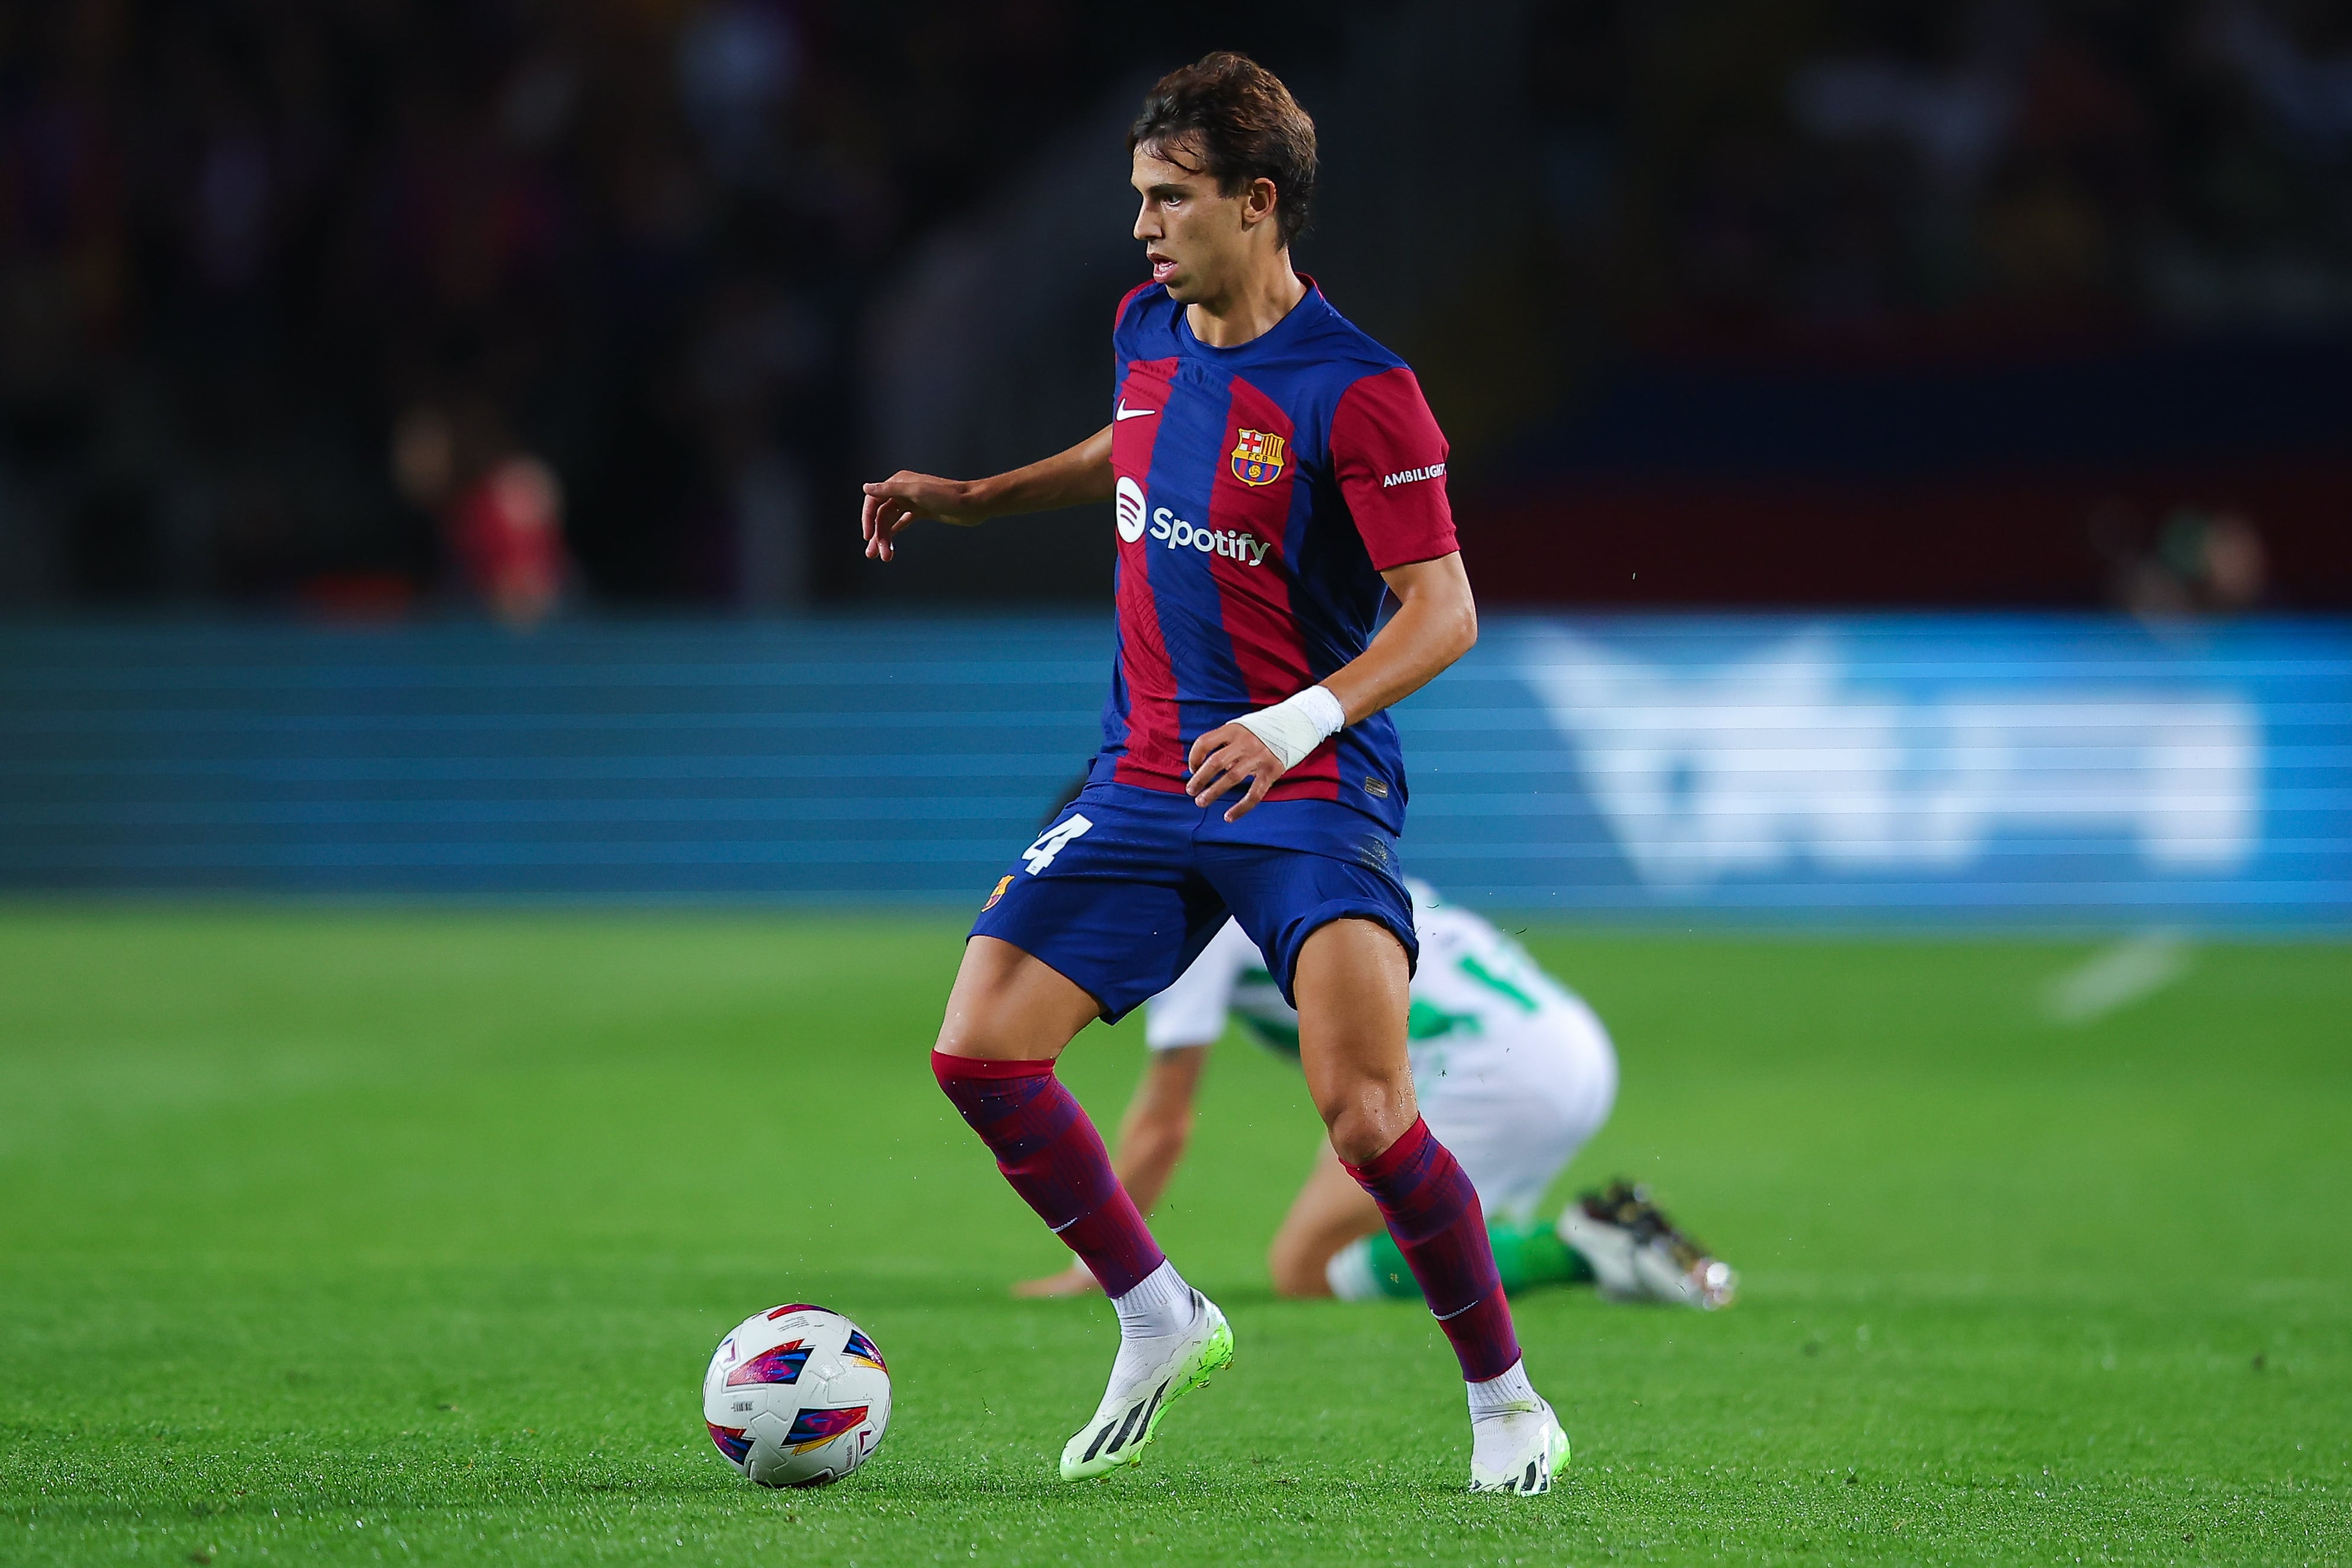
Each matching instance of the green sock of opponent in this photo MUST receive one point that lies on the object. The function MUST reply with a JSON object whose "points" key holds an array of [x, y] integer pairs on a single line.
{"points": [[1525, 1254]]}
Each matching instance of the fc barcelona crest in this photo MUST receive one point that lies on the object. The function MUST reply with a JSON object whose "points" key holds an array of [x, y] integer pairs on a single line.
{"points": [[1258, 457]]}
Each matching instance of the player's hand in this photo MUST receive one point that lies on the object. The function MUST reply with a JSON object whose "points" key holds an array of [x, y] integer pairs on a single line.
{"points": [[1072, 1282], [1230, 757], [892, 503]]}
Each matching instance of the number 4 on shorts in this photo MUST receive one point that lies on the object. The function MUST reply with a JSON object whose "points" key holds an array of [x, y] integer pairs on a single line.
{"points": [[1052, 842]]}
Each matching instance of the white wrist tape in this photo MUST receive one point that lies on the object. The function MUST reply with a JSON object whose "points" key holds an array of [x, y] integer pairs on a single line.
{"points": [[1297, 725]]}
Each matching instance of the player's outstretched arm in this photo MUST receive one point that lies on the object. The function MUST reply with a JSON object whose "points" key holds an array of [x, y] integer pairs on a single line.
{"points": [[1436, 623], [1074, 478]]}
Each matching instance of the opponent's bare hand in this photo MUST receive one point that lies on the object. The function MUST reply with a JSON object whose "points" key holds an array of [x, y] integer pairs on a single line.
{"points": [[906, 496], [1227, 757]]}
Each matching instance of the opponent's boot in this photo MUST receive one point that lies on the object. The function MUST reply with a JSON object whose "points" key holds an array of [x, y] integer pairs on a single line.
{"points": [[1149, 1377], [1517, 1449], [1637, 1254]]}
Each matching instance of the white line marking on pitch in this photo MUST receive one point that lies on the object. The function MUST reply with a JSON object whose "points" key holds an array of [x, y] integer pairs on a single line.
{"points": [[2116, 976]]}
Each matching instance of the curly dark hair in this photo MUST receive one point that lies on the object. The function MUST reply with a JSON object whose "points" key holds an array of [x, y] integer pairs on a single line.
{"points": [[1230, 117]]}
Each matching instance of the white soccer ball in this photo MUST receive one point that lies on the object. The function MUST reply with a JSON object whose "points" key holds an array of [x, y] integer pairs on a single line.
{"points": [[797, 1396]]}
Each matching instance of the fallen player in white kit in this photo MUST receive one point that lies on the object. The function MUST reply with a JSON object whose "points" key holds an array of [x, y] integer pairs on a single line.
{"points": [[1514, 1073]]}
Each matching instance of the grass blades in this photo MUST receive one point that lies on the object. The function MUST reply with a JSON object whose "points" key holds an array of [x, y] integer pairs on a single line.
{"points": [[369, 1236]]}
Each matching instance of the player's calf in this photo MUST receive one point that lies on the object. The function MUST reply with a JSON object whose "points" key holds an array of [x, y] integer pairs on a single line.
{"points": [[1433, 1210], [1170, 1337], [1049, 1150]]}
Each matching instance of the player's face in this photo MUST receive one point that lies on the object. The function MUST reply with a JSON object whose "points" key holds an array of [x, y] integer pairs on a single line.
{"points": [[1194, 236]]}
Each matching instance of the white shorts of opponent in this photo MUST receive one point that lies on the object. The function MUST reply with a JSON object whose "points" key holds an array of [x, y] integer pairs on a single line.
{"points": [[1515, 1105]]}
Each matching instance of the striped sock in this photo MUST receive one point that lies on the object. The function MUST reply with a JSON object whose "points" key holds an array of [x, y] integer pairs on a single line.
{"points": [[1433, 1212], [1050, 1151], [1526, 1256]]}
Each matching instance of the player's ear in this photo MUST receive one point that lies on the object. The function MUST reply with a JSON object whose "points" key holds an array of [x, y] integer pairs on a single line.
{"points": [[1258, 201]]}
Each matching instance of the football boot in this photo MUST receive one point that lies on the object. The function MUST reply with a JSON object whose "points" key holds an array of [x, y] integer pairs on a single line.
{"points": [[1143, 1386], [1637, 1254], [1518, 1449]]}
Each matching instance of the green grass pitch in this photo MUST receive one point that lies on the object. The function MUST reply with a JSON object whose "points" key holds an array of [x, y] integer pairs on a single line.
{"points": [[367, 1236]]}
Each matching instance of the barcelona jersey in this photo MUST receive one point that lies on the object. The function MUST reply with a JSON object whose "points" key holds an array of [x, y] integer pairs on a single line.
{"points": [[1261, 490]]}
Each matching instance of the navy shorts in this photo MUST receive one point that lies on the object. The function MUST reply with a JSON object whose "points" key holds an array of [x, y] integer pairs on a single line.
{"points": [[1128, 884]]}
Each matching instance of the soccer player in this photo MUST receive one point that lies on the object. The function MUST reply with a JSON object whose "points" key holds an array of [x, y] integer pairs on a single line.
{"points": [[1512, 1071], [1274, 472]]}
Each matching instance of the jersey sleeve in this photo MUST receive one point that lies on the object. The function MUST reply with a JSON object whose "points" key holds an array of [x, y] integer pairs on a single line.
{"points": [[1193, 1011], [1388, 456]]}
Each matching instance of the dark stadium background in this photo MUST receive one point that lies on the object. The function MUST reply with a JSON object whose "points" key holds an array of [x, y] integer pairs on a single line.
{"points": [[429, 434], [482, 855], [1723, 303]]}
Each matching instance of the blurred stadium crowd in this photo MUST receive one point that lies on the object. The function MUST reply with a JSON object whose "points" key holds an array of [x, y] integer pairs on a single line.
{"points": [[1817, 166], [365, 305], [255, 250]]}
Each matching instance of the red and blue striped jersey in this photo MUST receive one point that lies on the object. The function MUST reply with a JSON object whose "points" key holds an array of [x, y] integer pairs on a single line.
{"points": [[1261, 491]]}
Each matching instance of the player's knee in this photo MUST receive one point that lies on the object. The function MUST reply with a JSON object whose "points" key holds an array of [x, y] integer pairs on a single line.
{"points": [[1364, 1115], [995, 1027], [1008, 1006], [983, 1028], [979, 1041]]}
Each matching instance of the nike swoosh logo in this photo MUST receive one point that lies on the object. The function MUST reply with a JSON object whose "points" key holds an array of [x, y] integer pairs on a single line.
{"points": [[1125, 412]]}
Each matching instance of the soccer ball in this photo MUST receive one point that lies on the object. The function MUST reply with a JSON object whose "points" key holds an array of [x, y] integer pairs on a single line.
{"points": [[797, 1396]]}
